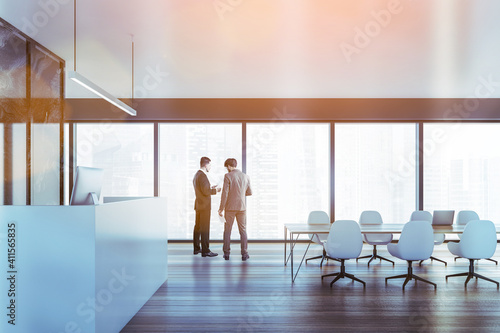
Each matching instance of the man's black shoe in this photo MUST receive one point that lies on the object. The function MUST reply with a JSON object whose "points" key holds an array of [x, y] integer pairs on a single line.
{"points": [[226, 257], [245, 257], [209, 254], [195, 252]]}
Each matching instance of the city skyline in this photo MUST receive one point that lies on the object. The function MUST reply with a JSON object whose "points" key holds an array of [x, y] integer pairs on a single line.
{"points": [[289, 167]]}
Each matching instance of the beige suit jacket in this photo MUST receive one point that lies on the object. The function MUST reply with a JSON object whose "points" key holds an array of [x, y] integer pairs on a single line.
{"points": [[236, 188]]}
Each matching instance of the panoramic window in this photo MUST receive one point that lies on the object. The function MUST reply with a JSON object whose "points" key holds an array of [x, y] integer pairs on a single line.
{"points": [[462, 168], [375, 170], [181, 147], [289, 168], [124, 151]]}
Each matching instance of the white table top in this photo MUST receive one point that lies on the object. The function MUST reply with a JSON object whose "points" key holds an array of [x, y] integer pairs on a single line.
{"points": [[392, 228]]}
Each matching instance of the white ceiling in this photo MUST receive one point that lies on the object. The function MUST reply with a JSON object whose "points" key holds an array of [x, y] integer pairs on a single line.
{"points": [[271, 48]]}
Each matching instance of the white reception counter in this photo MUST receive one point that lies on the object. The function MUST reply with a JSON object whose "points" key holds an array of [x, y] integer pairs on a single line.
{"points": [[80, 268]]}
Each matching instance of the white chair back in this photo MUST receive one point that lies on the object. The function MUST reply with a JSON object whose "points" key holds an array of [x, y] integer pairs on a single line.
{"points": [[421, 215], [318, 217], [416, 241], [370, 217], [465, 216], [373, 217], [479, 240], [344, 240]]}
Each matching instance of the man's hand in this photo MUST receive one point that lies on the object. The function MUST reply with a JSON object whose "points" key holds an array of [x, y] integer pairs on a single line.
{"points": [[220, 212], [219, 188]]}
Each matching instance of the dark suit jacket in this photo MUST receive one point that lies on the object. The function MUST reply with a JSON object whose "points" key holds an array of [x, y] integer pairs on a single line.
{"points": [[203, 191], [236, 187]]}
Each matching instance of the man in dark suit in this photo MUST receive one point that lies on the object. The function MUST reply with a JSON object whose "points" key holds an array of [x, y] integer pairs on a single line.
{"points": [[236, 188], [202, 206]]}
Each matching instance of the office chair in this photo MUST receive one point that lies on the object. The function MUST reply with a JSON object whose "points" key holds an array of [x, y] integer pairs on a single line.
{"points": [[344, 242], [463, 217], [423, 215], [318, 217], [479, 241], [415, 243], [373, 217]]}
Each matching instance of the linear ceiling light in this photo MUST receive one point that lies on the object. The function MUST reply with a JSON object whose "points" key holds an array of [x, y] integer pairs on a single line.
{"points": [[82, 80]]}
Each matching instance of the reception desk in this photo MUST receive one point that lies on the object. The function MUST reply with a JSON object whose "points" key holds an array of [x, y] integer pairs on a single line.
{"points": [[80, 268]]}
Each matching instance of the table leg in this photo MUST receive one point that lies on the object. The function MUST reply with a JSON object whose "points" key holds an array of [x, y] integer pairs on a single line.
{"points": [[285, 245], [292, 244], [303, 257], [291, 254]]}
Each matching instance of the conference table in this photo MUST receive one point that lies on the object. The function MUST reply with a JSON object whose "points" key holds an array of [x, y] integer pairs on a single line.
{"points": [[305, 228]]}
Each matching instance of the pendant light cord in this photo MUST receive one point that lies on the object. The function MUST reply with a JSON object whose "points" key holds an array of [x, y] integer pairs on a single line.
{"points": [[132, 68], [74, 36]]}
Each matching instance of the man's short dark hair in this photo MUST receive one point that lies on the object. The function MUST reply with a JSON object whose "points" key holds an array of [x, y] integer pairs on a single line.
{"points": [[204, 161], [230, 162]]}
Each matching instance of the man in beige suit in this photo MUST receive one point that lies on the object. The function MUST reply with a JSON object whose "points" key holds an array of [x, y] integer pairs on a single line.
{"points": [[236, 188]]}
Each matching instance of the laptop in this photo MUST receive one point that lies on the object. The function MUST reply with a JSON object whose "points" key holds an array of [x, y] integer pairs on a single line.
{"points": [[443, 217]]}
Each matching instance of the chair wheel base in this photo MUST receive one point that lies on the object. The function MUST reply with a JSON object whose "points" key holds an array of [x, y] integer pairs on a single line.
{"points": [[313, 258], [410, 276], [434, 258], [343, 274], [470, 275], [373, 257]]}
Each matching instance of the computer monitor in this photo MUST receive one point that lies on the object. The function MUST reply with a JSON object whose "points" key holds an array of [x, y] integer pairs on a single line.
{"points": [[87, 187], [443, 217]]}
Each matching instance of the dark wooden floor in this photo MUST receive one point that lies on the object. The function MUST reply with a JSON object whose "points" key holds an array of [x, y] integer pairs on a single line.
{"points": [[214, 295]]}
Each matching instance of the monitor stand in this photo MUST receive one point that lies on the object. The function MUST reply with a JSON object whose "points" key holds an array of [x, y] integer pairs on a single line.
{"points": [[94, 198]]}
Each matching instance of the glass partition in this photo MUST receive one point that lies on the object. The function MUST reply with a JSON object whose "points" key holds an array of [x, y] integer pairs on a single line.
{"points": [[14, 112]]}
